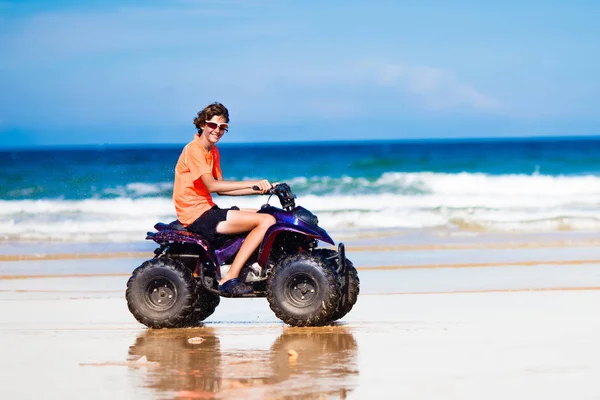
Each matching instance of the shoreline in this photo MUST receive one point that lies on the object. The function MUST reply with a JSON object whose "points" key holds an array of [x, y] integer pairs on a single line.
{"points": [[370, 241], [564, 263]]}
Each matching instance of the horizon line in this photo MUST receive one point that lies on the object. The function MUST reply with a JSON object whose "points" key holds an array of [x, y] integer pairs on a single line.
{"points": [[306, 142]]}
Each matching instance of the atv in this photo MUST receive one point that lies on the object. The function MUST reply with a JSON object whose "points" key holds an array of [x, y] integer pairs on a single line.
{"points": [[304, 285]]}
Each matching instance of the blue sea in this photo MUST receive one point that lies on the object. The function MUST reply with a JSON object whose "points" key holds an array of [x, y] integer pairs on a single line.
{"points": [[116, 194]]}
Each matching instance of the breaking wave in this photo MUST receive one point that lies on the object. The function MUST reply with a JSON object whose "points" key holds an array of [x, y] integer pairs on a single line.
{"points": [[467, 201]]}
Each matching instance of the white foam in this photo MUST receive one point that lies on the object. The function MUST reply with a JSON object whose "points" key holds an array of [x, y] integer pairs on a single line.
{"points": [[402, 200]]}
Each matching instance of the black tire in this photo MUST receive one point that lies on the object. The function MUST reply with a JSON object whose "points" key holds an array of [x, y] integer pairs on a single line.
{"points": [[161, 293], [349, 281], [204, 307], [350, 290], [303, 290]]}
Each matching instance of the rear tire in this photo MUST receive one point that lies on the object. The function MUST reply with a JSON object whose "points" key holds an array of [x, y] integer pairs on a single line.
{"points": [[161, 293], [204, 307], [303, 290]]}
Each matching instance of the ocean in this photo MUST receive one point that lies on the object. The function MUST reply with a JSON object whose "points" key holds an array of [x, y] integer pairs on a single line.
{"points": [[117, 194]]}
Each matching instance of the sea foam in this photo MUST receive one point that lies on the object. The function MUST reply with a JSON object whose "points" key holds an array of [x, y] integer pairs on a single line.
{"points": [[391, 200]]}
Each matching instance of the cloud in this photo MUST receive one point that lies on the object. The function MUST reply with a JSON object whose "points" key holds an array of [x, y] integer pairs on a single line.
{"points": [[351, 84], [437, 88], [156, 66]]}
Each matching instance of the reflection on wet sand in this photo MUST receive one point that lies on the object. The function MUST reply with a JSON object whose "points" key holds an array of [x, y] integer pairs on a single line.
{"points": [[302, 363]]}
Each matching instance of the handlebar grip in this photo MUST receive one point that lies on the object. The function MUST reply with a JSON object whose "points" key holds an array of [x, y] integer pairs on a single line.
{"points": [[257, 188]]}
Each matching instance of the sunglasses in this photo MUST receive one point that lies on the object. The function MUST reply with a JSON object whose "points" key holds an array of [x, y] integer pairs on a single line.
{"points": [[214, 125]]}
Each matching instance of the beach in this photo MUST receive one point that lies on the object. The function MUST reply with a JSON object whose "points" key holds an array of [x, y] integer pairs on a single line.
{"points": [[463, 315]]}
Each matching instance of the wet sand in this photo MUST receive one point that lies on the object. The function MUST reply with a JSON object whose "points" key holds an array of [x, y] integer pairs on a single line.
{"points": [[486, 316]]}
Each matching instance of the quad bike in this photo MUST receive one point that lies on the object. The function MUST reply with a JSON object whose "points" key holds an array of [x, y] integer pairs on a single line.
{"points": [[304, 285]]}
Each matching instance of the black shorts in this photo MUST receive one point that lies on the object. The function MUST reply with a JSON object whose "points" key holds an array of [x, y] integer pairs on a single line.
{"points": [[206, 224]]}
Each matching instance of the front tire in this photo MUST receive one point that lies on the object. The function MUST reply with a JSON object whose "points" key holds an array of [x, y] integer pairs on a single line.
{"points": [[303, 290], [350, 290], [350, 284], [161, 293]]}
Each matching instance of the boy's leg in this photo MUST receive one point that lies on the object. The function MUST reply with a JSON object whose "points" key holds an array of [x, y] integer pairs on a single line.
{"points": [[238, 222]]}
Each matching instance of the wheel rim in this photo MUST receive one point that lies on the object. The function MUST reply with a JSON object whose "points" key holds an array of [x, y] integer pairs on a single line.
{"points": [[301, 290], [160, 293]]}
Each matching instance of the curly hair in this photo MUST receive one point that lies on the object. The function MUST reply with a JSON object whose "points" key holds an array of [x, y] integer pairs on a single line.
{"points": [[214, 109]]}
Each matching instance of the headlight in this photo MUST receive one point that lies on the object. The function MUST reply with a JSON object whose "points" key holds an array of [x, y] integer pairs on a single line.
{"points": [[306, 216]]}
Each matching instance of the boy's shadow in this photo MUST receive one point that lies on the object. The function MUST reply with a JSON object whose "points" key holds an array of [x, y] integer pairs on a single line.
{"points": [[302, 363]]}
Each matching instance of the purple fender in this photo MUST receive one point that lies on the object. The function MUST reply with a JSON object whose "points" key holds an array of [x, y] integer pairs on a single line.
{"points": [[298, 227], [167, 234], [170, 235]]}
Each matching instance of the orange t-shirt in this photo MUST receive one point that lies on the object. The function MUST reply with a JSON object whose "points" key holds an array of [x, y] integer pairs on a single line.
{"points": [[190, 195]]}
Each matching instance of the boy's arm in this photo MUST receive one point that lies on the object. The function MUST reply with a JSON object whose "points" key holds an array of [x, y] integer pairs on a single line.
{"points": [[234, 188], [238, 192]]}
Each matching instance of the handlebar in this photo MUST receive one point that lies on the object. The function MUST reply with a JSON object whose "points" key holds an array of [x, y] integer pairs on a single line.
{"points": [[284, 194]]}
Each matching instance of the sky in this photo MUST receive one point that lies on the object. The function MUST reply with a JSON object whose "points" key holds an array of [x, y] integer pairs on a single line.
{"points": [[137, 72]]}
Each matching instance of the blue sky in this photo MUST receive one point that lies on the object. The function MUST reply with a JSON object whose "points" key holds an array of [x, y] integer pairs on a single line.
{"points": [[121, 72]]}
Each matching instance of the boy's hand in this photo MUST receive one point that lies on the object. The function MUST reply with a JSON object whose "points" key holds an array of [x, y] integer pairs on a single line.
{"points": [[263, 185]]}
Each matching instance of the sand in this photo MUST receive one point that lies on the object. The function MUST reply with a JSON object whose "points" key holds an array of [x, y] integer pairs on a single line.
{"points": [[459, 317]]}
